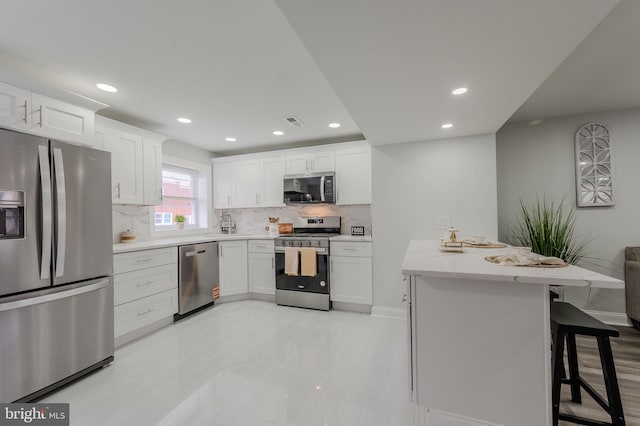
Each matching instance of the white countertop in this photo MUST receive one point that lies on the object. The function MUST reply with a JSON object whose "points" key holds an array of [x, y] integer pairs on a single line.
{"points": [[179, 241], [424, 258], [194, 239], [352, 238]]}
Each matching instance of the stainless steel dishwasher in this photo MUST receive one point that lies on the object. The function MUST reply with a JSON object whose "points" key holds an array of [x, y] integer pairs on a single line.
{"points": [[198, 277]]}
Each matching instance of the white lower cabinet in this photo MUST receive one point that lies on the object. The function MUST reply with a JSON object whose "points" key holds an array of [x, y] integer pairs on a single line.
{"points": [[145, 290], [351, 273], [262, 267], [233, 268]]}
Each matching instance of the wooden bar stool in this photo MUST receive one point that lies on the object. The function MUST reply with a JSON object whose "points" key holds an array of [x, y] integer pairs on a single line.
{"points": [[566, 322]]}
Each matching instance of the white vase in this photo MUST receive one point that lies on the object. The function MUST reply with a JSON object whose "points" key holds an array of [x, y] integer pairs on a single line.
{"points": [[179, 225]]}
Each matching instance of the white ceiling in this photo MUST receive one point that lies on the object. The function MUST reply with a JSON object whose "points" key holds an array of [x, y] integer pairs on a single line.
{"points": [[602, 74], [237, 68], [393, 64]]}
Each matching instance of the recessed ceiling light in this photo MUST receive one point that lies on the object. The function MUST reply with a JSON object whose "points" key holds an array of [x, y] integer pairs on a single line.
{"points": [[106, 87], [459, 91], [278, 132], [184, 120], [230, 139], [535, 122], [447, 126], [334, 125]]}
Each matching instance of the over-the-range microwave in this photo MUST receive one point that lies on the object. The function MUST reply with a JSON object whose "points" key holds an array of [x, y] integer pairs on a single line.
{"points": [[310, 188]]}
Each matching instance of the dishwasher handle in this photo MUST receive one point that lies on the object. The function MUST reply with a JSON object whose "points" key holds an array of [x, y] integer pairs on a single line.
{"points": [[194, 253]]}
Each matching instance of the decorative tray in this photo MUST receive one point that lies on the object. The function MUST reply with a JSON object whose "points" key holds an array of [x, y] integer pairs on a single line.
{"points": [[470, 243], [494, 259]]}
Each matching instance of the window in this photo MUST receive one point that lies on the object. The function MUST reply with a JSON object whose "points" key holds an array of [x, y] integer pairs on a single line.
{"points": [[184, 192]]}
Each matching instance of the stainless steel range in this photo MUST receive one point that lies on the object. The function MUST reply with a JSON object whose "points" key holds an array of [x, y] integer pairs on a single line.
{"points": [[302, 263]]}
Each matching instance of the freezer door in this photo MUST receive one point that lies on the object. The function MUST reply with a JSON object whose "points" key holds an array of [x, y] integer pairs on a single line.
{"points": [[82, 246], [52, 334], [24, 261]]}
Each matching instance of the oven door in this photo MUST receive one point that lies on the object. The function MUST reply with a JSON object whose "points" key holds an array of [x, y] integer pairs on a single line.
{"points": [[316, 284]]}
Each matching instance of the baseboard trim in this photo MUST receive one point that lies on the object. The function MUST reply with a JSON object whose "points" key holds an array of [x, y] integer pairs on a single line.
{"points": [[351, 307], [611, 318], [263, 297], [388, 312]]}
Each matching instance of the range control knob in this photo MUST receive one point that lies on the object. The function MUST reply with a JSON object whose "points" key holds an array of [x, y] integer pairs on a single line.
{"points": [[289, 243], [298, 243], [316, 243], [307, 243]]}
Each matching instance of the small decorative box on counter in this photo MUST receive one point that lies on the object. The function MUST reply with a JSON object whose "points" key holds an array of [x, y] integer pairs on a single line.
{"points": [[285, 228], [357, 231]]}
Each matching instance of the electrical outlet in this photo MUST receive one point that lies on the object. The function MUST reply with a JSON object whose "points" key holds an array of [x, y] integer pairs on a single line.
{"points": [[442, 222]]}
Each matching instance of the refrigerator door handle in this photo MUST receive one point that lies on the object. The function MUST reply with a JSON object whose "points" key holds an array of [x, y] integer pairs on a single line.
{"points": [[45, 183], [61, 204], [30, 301]]}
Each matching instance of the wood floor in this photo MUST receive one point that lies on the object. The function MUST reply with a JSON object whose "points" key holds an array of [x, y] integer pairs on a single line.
{"points": [[626, 352]]}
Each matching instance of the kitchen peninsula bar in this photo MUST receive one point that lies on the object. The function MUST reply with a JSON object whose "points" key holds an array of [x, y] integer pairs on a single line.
{"points": [[479, 336]]}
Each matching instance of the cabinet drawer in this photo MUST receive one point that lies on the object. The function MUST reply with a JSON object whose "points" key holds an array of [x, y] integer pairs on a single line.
{"points": [[261, 246], [351, 249], [138, 284], [139, 313], [137, 260]]}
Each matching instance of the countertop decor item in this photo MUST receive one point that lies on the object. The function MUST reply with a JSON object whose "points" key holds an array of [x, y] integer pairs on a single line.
{"points": [[179, 220], [486, 244], [273, 228], [548, 228], [538, 262], [357, 231], [285, 228], [127, 237]]}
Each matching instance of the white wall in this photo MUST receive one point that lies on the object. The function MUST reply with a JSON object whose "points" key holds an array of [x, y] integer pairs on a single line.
{"points": [[539, 160], [185, 151], [415, 182]]}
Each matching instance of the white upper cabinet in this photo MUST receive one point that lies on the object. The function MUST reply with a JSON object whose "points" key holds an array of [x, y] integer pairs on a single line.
{"points": [[272, 182], [14, 107], [136, 162], [256, 180], [222, 185], [127, 168], [59, 120], [152, 167], [248, 183], [245, 183], [353, 175], [33, 113], [311, 162]]}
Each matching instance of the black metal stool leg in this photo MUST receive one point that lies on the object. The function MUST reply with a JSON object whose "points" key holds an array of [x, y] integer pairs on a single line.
{"points": [[611, 381], [574, 374], [557, 360]]}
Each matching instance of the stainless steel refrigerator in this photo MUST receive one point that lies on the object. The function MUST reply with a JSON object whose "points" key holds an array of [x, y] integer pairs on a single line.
{"points": [[56, 262]]}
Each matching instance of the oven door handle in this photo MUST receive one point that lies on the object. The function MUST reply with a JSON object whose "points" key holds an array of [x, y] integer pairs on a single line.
{"points": [[321, 250]]}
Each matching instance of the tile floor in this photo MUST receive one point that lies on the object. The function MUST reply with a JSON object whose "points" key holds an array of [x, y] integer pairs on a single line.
{"points": [[253, 363]]}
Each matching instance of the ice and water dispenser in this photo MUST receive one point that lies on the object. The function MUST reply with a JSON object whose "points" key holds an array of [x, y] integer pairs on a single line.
{"points": [[11, 214]]}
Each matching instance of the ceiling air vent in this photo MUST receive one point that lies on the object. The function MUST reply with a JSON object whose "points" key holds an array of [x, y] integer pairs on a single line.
{"points": [[294, 121]]}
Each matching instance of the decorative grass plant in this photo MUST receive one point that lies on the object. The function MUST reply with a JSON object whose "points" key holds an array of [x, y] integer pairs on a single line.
{"points": [[548, 229]]}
